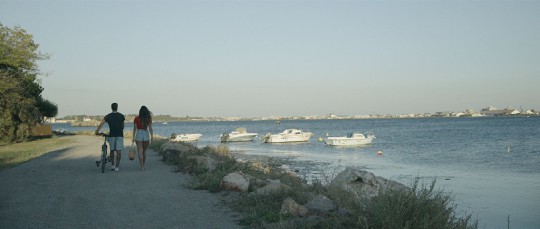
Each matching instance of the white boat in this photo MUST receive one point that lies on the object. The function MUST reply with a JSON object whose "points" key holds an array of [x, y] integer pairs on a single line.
{"points": [[352, 139], [184, 137], [239, 135], [289, 135]]}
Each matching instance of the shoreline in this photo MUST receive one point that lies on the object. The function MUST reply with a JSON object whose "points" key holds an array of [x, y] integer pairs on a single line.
{"points": [[93, 123], [480, 193]]}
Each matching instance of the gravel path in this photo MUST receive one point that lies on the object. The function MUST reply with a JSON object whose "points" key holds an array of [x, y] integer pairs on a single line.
{"points": [[65, 189]]}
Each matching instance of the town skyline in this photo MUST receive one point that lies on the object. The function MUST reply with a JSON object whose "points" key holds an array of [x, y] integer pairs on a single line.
{"points": [[487, 111]]}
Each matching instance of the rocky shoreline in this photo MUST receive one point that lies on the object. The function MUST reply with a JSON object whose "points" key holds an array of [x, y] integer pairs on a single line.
{"points": [[285, 198]]}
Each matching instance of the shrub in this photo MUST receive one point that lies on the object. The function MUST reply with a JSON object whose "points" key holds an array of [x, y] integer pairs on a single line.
{"points": [[420, 207], [156, 144], [261, 209]]}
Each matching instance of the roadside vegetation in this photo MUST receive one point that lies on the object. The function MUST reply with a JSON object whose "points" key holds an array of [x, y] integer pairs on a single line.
{"points": [[22, 107], [17, 153], [421, 206]]}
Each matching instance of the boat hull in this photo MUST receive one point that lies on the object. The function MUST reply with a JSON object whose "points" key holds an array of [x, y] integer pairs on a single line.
{"points": [[286, 139], [290, 135], [345, 141], [186, 137], [239, 137]]}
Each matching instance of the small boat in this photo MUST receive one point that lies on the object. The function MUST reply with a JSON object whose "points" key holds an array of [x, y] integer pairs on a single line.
{"points": [[239, 135], [185, 137], [165, 123], [289, 135], [352, 139]]}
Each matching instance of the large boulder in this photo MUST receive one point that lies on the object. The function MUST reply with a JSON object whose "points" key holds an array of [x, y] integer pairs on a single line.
{"points": [[202, 161], [363, 184], [171, 151], [178, 146], [321, 204], [290, 206], [272, 186], [235, 182]]}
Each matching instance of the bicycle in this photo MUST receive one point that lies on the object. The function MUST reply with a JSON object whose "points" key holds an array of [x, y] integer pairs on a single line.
{"points": [[104, 159]]}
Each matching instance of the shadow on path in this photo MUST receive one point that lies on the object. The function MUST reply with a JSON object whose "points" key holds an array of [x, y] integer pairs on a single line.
{"points": [[65, 189]]}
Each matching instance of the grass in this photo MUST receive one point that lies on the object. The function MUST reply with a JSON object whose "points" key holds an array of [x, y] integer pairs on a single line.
{"points": [[419, 207], [15, 154]]}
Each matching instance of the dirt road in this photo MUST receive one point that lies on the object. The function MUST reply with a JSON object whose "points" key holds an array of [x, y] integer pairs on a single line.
{"points": [[65, 189]]}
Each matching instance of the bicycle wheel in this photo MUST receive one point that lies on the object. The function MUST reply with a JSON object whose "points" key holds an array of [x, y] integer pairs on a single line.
{"points": [[103, 161], [103, 157]]}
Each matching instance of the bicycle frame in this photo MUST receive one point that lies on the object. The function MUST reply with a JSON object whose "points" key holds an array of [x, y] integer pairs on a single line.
{"points": [[103, 159]]}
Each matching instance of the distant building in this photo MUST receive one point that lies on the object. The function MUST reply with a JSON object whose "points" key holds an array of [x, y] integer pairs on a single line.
{"points": [[492, 111], [442, 114], [468, 113]]}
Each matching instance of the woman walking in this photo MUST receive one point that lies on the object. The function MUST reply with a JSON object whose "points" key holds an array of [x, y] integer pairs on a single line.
{"points": [[143, 133]]}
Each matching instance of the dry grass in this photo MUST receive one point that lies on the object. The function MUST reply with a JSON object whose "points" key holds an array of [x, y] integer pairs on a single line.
{"points": [[15, 154]]}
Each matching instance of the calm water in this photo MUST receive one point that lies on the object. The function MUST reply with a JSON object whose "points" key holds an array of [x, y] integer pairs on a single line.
{"points": [[491, 165]]}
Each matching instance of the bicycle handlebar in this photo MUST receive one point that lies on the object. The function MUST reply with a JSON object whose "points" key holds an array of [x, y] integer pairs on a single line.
{"points": [[102, 134]]}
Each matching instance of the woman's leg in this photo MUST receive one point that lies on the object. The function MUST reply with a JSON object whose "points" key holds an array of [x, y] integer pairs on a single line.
{"points": [[140, 152], [145, 147]]}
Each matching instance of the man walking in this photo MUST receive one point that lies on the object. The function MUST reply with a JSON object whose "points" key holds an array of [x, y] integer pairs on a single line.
{"points": [[116, 134]]}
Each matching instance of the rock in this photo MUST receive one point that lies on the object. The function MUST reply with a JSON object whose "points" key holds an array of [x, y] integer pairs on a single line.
{"points": [[171, 151], [206, 162], [171, 156], [235, 182], [174, 146], [363, 184], [290, 206], [321, 204], [272, 186], [254, 182]]}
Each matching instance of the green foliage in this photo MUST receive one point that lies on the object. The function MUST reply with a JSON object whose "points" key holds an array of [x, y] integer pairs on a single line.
{"points": [[19, 86], [47, 108], [260, 209], [156, 144], [420, 207]]}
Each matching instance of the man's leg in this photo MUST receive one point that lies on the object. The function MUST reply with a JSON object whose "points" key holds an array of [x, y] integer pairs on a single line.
{"points": [[118, 157], [112, 145], [112, 159], [119, 148]]}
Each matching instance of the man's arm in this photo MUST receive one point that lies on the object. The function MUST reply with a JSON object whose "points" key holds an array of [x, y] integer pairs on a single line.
{"points": [[99, 126]]}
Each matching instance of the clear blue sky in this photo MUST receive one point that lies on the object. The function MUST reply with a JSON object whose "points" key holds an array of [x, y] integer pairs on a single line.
{"points": [[283, 58]]}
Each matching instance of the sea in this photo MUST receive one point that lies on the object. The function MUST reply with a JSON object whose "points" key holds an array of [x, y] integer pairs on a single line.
{"points": [[490, 165]]}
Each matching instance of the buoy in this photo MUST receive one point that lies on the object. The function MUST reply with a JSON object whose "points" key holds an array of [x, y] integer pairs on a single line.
{"points": [[379, 153], [320, 139]]}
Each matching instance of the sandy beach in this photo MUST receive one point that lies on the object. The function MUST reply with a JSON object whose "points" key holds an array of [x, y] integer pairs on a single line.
{"points": [[65, 189]]}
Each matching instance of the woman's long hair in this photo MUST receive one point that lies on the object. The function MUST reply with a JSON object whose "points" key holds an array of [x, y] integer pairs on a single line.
{"points": [[146, 116]]}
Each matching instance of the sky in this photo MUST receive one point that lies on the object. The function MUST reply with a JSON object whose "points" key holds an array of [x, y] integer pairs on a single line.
{"points": [[253, 58]]}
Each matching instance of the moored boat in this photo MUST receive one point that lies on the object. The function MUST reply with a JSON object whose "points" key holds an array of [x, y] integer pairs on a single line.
{"points": [[185, 137], [352, 139], [239, 135], [289, 135]]}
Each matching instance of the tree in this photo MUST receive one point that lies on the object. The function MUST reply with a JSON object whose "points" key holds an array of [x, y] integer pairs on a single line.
{"points": [[21, 105], [46, 108]]}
